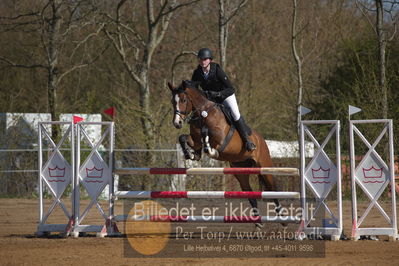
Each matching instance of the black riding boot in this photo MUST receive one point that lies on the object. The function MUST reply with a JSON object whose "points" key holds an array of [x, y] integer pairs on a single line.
{"points": [[244, 131]]}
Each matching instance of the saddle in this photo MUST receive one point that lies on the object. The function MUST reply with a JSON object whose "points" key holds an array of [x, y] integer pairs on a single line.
{"points": [[227, 113], [229, 117]]}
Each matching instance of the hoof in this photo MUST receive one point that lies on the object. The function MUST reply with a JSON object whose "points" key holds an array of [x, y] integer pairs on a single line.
{"points": [[250, 146], [197, 157], [188, 155]]}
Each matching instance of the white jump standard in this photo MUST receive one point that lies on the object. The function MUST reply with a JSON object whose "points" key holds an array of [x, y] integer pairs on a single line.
{"points": [[373, 176], [56, 174], [319, 176]]}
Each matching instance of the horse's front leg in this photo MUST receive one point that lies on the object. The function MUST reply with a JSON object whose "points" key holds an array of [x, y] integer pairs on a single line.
{"points": [[212, 153], [187, 142]]}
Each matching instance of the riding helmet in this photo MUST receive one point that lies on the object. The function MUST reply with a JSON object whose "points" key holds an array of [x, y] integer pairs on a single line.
{"points": [[205, 53]]}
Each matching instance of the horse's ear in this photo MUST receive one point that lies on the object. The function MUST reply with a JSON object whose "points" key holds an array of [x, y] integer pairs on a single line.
{"points": [[171, 86]]}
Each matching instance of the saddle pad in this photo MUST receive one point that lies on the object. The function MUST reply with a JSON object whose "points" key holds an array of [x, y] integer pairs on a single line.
{"points": [[227, 113]]}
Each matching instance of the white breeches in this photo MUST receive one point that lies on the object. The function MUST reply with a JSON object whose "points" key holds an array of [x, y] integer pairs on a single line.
{"points": [[231, 102]]}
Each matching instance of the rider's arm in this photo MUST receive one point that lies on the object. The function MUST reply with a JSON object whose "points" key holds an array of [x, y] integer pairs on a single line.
{"points": [[228, 88], [196, 76]]}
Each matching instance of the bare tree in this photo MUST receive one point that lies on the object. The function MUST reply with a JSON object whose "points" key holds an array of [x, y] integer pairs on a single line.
{"points": [[298, 60], [54, 21], [136, 49], [177, 61], [298, 51], [227, 11], [384, 11]]}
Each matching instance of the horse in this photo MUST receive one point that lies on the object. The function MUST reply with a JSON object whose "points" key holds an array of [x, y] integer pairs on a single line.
{"points": [[211, 131]]}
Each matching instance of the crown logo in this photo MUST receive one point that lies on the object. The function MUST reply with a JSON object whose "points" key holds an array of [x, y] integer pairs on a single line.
{"points": [[56, 172], [372, 172], [321, 173], [94, 172]]}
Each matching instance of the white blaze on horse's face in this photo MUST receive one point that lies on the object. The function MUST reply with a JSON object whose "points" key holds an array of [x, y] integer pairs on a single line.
{"points": [[177, 120]]}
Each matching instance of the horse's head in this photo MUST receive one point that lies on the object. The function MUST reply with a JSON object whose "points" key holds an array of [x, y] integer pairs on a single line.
{"points": [[182, 105]]}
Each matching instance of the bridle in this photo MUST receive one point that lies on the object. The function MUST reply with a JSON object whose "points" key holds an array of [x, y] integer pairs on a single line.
{"points": [[188, 116], [191, 116]]}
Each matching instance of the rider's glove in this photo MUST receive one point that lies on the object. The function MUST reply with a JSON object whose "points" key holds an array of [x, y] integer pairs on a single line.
{"points": [[213, 94]]}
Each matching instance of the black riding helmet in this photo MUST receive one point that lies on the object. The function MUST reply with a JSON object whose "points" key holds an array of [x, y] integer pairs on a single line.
{"points": [[205, 53]]}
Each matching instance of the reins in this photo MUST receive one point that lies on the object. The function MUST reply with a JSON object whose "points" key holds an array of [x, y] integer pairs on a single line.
{"points": [[191, 116]]}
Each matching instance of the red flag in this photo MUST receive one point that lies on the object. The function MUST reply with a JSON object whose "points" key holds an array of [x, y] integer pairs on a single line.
{"points": [[77, 119], [110, 111]]}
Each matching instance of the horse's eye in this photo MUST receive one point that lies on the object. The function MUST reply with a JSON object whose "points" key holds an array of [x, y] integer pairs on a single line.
{"points": [[183, 100]]}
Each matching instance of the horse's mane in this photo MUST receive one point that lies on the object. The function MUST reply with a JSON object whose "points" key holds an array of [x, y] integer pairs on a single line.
{"points": [[192, 85]]}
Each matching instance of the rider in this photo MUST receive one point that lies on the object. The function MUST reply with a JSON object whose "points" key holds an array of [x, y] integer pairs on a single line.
{"points": [[218, 88]]}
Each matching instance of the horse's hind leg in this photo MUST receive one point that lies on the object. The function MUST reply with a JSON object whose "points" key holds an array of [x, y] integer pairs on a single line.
{"points": [[267, 182], [245, 186]]}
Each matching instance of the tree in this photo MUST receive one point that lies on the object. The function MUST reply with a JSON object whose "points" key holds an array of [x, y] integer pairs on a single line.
{"points": [[298, 60], [136, 48], [384, 11], [299, 53], [354, 81], [227, 11], [53, 22]]}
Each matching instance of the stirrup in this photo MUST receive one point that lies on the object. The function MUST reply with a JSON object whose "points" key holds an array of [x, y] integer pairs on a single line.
{"points": [[250, 146]]}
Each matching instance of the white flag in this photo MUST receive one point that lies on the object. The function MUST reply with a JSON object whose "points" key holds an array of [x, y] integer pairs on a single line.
{"points": [[353, 110], [303, 110]]}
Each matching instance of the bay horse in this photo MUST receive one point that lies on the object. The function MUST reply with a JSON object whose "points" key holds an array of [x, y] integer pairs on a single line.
{"points": [[209, 130]]}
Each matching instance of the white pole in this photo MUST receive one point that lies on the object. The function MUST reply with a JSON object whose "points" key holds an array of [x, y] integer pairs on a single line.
{"points": [[339, 176], [111, 166], [40, 175], [302, 171], [77, 177], [72, 128], [353, 181], [392, 166]]}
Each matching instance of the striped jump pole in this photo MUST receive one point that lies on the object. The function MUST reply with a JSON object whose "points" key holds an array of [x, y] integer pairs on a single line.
{"points": [[209, 219], [207, 194], [209, 171]]}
